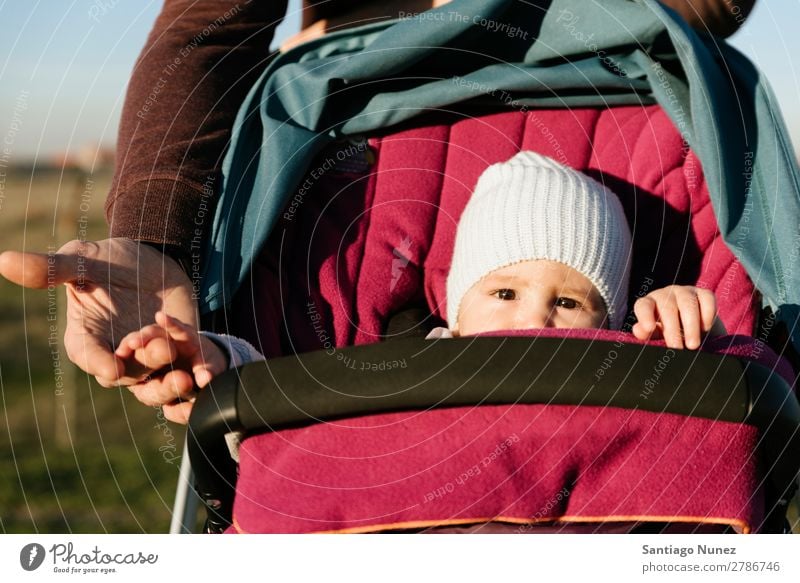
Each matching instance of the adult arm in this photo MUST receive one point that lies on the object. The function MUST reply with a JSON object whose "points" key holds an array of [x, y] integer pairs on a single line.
{"points": [[720, 17], [113, 286], [199, 61]]}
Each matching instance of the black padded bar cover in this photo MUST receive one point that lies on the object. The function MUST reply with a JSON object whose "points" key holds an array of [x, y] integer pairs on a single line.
{"points": [[414, 374]]}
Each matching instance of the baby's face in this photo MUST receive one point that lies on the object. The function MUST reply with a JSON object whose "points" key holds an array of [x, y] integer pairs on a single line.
{"points": [[531, 294]]}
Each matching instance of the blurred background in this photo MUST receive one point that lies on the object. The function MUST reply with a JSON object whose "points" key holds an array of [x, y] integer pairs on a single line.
{"points": [[75, 457]]}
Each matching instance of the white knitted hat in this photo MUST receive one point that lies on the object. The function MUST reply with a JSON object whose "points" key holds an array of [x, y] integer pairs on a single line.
{"points": [[532, 207]]}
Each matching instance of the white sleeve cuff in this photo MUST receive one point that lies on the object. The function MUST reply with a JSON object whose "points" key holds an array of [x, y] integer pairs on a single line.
{"points": [[239, 351], [439, 332]]}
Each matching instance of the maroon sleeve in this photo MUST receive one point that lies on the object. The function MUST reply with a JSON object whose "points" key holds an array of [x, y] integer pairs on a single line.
{"points": [[200, 59]]}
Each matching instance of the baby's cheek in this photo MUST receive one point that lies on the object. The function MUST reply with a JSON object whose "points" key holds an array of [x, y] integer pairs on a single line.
{"points": [[588, 320], [600, 320], [479, 317]]}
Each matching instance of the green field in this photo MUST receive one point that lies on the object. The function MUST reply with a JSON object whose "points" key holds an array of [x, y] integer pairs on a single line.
{"points": [[74, 457]]}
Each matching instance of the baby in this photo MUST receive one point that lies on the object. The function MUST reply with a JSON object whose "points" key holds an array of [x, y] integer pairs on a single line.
{"points": [[539, 245]]}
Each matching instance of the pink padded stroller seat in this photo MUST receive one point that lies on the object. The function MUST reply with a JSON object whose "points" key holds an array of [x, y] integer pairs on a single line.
{"points": [[370, 232]]}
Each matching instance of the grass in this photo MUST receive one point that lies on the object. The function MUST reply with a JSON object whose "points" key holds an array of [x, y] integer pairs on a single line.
{"points": [[80, 458], [107, 491]]}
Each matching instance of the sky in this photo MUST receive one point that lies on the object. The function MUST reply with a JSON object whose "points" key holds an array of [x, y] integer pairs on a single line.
{"points": [[64, 66]]}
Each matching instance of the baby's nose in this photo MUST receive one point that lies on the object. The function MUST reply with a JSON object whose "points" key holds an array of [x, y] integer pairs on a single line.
{"points": [[534, 317]]}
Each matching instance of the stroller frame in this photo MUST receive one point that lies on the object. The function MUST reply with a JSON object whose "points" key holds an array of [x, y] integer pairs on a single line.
{"points": [[297, 392]]}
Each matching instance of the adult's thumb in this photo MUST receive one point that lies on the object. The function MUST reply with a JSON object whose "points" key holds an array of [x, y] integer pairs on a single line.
{"points": [[38, 270]]}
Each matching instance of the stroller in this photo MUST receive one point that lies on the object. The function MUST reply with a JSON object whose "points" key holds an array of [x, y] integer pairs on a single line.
{"points": [[338, 246]]}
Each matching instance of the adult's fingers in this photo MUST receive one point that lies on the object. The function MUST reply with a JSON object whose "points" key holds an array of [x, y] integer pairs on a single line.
{"points": [[107, 383], [179, 411], [93, 355], [38, 270], [162, 390]]}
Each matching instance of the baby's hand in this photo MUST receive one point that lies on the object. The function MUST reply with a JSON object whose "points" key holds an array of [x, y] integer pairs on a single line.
{"points": [[192, 360], [680, 314]]}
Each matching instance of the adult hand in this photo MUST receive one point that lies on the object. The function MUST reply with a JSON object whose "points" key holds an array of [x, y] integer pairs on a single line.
{"points": [[114, 286], [193, 358]]}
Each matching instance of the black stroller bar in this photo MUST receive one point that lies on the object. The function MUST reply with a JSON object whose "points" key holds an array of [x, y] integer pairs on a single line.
{"points": [[416, 374]]}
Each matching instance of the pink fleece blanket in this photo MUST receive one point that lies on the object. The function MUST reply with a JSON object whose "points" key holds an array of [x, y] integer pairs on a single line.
{"points": [[521, 465], [375, 235]]}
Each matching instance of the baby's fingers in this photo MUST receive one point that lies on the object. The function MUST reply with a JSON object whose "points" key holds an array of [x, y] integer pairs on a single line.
{"points": [[136, 339], [646, 325], [210, 362], [670, 318], [661, 307], [177, 329], [691, 322], [150, 346], [203, 376], [708, 308], [158, 353], [204, 356]]}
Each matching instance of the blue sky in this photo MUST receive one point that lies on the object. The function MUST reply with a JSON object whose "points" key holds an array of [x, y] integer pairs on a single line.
{"points": [[69, 61]]}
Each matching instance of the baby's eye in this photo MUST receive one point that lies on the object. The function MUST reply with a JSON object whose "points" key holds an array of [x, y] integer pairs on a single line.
{"points": [[505, 294], [568, 303]]}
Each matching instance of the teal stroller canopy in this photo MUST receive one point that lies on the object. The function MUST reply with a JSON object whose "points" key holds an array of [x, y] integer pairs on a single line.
{"points": [[503, 54]]}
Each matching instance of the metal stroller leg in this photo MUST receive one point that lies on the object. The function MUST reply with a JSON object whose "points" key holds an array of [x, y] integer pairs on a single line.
{"points": [[184, 510]]}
